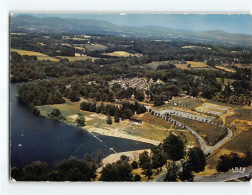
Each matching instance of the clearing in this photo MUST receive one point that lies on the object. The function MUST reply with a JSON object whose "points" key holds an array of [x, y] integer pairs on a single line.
{"points": [[74, 58], [193, 65], [40, 56], [225, 69], [123, 54], [212, 109]]}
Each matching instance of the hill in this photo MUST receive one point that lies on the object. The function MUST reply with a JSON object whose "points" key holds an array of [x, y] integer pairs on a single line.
{"points": [[31, 24]]}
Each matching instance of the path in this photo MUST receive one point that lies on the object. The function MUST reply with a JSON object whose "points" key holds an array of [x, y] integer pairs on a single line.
{"points": [[223, 176], [206, 149]]}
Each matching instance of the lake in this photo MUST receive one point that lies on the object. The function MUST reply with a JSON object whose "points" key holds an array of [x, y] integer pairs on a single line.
{"points": [[37, 138]]}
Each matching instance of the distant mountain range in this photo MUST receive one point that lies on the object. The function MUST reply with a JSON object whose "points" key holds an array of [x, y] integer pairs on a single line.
{"points": [[26, 23]]}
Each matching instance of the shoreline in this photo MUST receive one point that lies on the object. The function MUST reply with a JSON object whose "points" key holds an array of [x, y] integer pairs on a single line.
{"points": [[112, 158], [118, 134]]}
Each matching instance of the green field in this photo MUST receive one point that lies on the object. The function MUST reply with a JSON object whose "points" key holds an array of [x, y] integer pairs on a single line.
{"points": [[241, 114], [74, 58], [40, 56], [210, 133], [154, 120], [241, 142], [226, 81]]}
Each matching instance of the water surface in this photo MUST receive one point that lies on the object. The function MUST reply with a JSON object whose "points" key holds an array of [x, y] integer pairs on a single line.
{"points": [[37, 138]]}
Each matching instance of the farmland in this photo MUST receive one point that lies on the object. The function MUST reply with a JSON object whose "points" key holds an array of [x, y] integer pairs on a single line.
{"points": [[122, 54], [185, 66], [74, 58], [193, 65], [225, 69], [40, 56]]}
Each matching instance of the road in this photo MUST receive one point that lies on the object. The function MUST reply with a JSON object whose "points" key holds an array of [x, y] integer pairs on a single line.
{"points": [[205, 148], [222, 177]]}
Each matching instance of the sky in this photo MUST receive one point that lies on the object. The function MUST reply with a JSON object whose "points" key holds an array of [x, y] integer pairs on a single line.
{"points": [[234, 23]]}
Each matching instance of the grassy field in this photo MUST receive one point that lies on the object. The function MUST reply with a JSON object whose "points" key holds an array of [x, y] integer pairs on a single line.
{"points": [[241, 114], [213, 108], [95, 47], [152, 127], [148, 118], [146, 130], [123, 54], [155, 64], [156, 128], [193, 65], [240, 65], [29, 53], [40, 56], [241, 142], [74, 58], [226, 81], [70, 109], [183, 102], [210, 133], [225, 69]]}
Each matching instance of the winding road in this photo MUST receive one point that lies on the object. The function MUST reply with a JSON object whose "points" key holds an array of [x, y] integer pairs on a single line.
{"points": [[205, 148]]}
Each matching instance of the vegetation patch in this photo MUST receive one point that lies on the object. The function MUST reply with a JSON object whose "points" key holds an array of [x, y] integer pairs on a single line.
{"points": [[209, 132], [225, 69], [123, 54], [75, 58]]}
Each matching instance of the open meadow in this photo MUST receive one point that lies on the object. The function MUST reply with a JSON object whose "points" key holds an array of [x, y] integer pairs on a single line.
{"points": [[40, 56], [74, 58], [123, 54]]}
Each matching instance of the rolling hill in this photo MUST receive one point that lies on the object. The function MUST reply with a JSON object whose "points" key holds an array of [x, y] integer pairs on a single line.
{"points": [[26, 23]]}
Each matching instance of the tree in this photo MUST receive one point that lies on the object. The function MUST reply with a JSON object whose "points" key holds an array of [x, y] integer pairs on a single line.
{"points": [[119, 171], [34, 110], [109, 120], [55, 113], [172, 172], [158, 157], [158, 101], [173, 147], [145, 163], [134, 165], [137, 177], [124, 158], [81, 120], [196, 159], [126, 114], [144, 160], [139, 95], [189, 66], [223, 163], [73, 95], [186, 173], [195, 91], [116, 115], [74, 169]]}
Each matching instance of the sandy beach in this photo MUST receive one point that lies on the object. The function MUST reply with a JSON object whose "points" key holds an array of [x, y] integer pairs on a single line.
{"points": [[117, 133], [133, 155]]}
